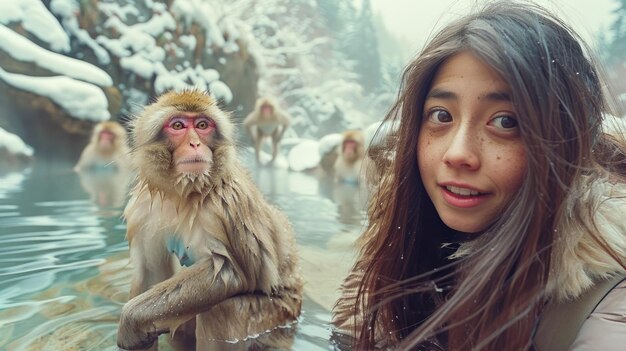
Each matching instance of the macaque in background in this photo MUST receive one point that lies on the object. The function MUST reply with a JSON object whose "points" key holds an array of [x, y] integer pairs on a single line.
{"points": [[107, 148], [206, 248], [351, 151], [266, 121]]}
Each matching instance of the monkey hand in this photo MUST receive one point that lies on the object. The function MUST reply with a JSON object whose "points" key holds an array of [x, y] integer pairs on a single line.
{"points": [[131, 335]]}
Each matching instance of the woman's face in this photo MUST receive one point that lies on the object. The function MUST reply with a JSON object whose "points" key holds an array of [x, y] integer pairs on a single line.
{"points": [[470, 154]]}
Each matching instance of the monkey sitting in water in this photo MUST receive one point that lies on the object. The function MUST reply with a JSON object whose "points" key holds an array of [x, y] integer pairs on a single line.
{"points": [[207, 249], [344, 162], [107, 149]]}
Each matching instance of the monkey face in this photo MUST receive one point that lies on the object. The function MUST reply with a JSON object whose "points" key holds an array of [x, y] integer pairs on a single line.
{"points": [[182, 142], [106, 138], [267, 110], [190, 136], [349, 148]]}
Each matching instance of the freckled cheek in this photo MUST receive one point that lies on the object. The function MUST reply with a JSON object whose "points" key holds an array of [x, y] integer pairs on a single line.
{"points": [[425, 152], [513, 164]]}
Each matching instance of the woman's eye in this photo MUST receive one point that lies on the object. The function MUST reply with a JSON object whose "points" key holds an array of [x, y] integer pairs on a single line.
{"points": [[202, 125], [439, 116], [504, 122], [178, 125]]}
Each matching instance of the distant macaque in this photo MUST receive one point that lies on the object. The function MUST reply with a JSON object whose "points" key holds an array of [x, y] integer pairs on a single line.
{"points": [[209, 253], [106, 149], [266, 121], [350, 156]]}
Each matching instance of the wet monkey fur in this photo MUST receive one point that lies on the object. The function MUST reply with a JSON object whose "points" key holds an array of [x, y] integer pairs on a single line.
{"points": [[212, 259]]}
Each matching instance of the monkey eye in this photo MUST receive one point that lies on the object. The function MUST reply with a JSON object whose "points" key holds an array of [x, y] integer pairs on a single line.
{"points": [[177, 125], [204, 123]]}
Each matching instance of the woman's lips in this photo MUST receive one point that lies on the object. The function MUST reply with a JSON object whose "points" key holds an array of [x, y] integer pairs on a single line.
{"points": [[463, 197]]}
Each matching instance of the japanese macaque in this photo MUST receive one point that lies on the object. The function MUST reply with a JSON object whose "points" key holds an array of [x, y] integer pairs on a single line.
{"points": [[266, 121], [107, 148], [209, 254], [351, 151]]}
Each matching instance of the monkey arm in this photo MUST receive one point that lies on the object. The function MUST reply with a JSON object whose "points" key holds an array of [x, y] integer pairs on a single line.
{"points": [[172, 302]]}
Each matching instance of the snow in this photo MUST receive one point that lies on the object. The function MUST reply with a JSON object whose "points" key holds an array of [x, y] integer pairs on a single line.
{"points": [[304, 156], [328, 142], [37, 20], [14, 144], [197, 78], [188, 40], [79, 99], [202, 13], [147, 44], [157, 25], [67, 10], [115, 10], [220, 91], [140, 55], [138, 65], [23, 49], [132, 38]]}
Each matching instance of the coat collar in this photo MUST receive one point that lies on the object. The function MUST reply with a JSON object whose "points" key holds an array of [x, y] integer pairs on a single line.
{"points": [[594, 219]]}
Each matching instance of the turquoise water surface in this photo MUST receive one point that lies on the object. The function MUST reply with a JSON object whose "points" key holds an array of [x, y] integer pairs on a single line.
{"points": [[64, 272]]}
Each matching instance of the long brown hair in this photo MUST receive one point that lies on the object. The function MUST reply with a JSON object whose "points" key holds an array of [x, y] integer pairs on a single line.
{"points": [[491, 294]]}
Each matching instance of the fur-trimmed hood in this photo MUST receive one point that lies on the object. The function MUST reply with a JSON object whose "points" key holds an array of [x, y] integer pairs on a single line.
{"points": [[578, 256]]}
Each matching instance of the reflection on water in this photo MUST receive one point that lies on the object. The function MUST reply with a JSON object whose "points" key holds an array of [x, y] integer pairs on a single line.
{"points": [[63, 257]]}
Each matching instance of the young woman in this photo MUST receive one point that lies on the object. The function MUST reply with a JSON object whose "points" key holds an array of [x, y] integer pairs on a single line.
{"points": [[500, 199]]}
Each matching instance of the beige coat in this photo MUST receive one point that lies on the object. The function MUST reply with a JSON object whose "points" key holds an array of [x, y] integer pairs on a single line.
{"points": [[579, 261], [605, 328]]}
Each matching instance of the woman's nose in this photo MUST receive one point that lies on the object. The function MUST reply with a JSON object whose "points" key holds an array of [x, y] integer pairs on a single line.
{"points": [[463, 150]]}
